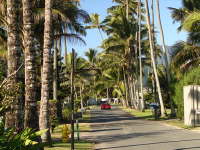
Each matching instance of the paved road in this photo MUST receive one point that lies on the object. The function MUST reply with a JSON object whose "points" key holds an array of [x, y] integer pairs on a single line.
{"points": [[117, 130]]}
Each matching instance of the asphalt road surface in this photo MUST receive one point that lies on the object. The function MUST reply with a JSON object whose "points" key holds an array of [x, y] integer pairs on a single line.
{"points": [[117, 130]]}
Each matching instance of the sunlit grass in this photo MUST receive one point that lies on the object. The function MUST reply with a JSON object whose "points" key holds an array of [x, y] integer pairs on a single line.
{"points": [[79, 145], [179, 123], [143, 115], [147, 114]]}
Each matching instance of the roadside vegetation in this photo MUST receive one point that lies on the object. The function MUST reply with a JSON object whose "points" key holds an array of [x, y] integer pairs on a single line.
{"points": [[81, 144]]}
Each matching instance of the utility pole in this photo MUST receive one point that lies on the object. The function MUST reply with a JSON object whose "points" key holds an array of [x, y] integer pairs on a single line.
{"points": [[72, 99]]}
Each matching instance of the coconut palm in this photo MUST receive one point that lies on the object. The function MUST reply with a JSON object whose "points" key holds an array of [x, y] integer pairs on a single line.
{"points": [[140, 55], [91, 55], [68, 25], [163, 112], [165, 56], [179, 15], [31, 117], [185, 56], [121, 35], [13, 54], [44, 104], [95, 23], [190, 23]]}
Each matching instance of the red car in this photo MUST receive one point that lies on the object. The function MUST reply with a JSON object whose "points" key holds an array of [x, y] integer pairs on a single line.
{"points": [[105, 106]]}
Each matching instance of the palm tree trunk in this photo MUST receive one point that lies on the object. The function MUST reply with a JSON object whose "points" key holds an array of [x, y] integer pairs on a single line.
{"points": [[55, 71], [75, 93], [155, 52], [166, 57], [44, 103], [126, 88], [140, 60], [127, 9], [131, 91], [81, 90], [107, 92], [13, 117], [134, 94], [163, 112], [57, 77], [65, 57], [31, 116]]}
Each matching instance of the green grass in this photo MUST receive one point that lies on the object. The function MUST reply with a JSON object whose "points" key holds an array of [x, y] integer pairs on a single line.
{"points": [[142, 115], [79, 145], [147, 115], [178, 123]]}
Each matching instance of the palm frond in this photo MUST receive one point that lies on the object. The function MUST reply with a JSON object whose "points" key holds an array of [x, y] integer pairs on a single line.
{"points": [[192, 22]]}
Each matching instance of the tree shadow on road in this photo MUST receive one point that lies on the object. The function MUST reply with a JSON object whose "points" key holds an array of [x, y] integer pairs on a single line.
{"points": [[188, 148], [120, 137], [143, 144]]}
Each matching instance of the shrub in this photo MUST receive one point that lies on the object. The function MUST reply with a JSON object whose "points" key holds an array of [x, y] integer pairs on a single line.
{"points": [[25, 140], [190, 78], [66, 114]]}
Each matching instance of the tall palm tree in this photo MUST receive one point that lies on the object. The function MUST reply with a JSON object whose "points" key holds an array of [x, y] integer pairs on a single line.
{"points": [[95, 23], [140, 56], [185, 56], [31, 117], [44, 103], [165, 56], [180, 14], [13, 52], [163, 112], [91, 55], [67, 24]]}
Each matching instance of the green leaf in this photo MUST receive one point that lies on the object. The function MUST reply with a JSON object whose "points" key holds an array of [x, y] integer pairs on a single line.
{"points": [[39, 133]]}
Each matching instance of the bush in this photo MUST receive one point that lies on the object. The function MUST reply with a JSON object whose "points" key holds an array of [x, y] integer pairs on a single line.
{"points": [[25, 140], [66, 114], [190, 78]]}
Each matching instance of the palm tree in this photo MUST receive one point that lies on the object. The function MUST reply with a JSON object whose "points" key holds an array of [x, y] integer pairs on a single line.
{"points": [[190, 23], [165, 56], [163, 112], [91, 55], [95, 20], [67, 24], [140, 57], [185, 56], [44, 104], [120, 33], [179, 15], [31, 117], [55, 70], [13, 51]]}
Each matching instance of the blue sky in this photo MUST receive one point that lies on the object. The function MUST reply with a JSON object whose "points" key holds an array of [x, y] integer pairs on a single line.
{"points": [[93, 38]]}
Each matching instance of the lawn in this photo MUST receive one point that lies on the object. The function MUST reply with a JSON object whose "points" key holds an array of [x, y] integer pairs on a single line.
{"points": [[79, 145], [179, 123], [147, 115], [142, 115]]}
